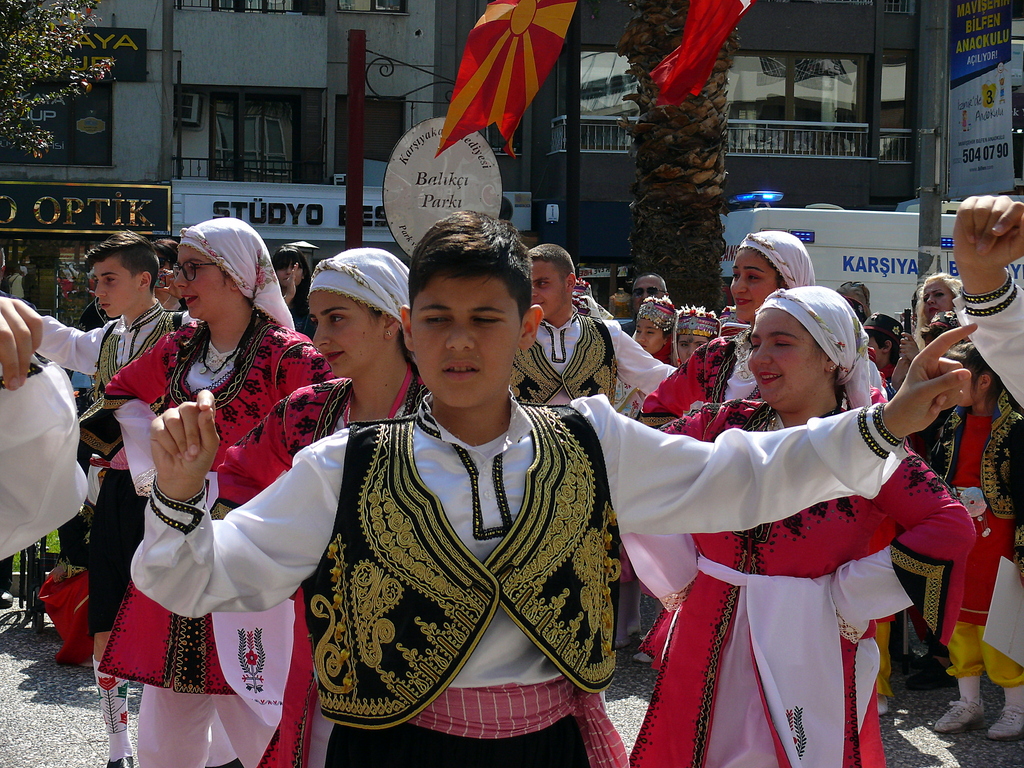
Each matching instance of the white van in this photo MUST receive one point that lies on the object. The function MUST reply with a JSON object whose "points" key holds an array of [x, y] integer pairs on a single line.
{"points": [[876, 248]]}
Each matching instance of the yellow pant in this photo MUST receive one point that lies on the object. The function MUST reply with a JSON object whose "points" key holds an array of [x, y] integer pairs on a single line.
{"points": [[969, 657], [882, 631]]}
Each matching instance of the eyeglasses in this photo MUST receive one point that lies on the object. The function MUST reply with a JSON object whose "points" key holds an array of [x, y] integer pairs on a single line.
{"points": [[189, 268], [651, 290]]}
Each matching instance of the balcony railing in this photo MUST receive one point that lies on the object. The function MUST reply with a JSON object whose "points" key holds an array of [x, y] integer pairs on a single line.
{"points": [[896, 146], [279, 171], [900, 6], [749, 137], [252, 6], [798, 139], [598, 133]]}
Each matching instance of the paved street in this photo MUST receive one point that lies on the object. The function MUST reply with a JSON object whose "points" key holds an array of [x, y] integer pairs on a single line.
{"points": [[50, 718]]}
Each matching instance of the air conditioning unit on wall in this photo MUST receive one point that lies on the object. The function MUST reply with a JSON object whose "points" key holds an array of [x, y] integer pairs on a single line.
{"points": [[191, 109]]}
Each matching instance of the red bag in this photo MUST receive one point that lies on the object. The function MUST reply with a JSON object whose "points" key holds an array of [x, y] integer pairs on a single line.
{"points": [[67, 605]]}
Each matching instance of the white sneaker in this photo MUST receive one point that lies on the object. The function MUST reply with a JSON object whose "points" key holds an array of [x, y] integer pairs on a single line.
{"points": [[1009, 726], [883, 704], [962, 716]]}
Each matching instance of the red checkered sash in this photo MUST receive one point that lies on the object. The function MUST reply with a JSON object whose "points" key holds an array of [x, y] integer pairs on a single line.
{"points": [[502, 711]]}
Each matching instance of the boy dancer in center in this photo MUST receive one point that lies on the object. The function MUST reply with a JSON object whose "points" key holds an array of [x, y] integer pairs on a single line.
{"points": [[456, 564]]}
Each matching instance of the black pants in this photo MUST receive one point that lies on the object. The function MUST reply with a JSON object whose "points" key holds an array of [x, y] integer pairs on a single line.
{"points": [[117, 527], [409, 746], [6, 573]]}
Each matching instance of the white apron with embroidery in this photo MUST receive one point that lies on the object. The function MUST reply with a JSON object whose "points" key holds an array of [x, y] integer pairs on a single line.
{"points": [[255, 649]]}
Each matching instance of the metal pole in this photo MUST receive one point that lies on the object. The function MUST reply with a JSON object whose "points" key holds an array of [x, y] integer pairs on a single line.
{"points": [[167, 125], [354, 169], [180, 165], [932, 85], [572, 137]]}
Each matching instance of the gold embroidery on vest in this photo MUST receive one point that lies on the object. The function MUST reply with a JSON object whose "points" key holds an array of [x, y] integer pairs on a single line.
{"points": [[931, 609], [376, 594], [425, 559], [423, 555], [562, 489], [331, 654], [534, 380], [995, 462]]}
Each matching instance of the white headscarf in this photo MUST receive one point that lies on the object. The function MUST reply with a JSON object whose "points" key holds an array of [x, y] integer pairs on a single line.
{"points": [[786, 253], [239, 250], [368, 275], [829, 319]]}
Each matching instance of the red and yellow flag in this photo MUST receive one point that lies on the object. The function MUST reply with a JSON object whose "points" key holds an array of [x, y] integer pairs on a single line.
{"points": [[508, 55]]}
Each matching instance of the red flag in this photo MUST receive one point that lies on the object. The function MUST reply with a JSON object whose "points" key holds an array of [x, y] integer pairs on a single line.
{"points": [[508, 55], [686, 70]]}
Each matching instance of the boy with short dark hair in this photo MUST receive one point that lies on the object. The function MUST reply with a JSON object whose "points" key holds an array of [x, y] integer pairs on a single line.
{"points": [[576, 355], [126, 269], [457, 564], [135, 253]]}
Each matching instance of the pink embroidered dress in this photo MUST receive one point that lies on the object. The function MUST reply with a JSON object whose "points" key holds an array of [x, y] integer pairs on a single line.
{"points": [[704, 378], [148, 643], [709, 707]]}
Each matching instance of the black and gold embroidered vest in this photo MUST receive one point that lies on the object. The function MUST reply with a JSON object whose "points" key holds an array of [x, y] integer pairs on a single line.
{"points": [[591, 370], [1000, 461], [98, 431], [398, 603]]}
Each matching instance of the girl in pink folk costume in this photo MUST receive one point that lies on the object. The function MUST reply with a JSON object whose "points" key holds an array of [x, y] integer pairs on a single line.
{"points": [[355, 302], [243, 350], [718, 371], [769, 660]]}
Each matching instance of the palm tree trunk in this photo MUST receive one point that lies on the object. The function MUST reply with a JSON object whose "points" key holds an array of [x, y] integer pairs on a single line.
{"points": [[680, 161]]}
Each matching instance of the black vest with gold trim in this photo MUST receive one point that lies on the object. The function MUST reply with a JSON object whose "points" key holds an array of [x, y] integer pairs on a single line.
{"points": [[591, 370], [98, 431], [1002, 462], [398, 603]]}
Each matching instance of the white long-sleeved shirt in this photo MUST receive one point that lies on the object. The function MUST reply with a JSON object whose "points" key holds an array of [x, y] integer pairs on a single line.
{"points": [[41, 484], [659, 483], [1000, 337], [80, 350], [637, 368]]}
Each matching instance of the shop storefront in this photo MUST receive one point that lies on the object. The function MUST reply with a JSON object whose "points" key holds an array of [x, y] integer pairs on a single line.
{"points": [[283, 213], [47, 227]]}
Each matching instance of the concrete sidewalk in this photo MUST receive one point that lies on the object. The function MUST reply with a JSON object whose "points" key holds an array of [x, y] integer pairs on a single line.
{"points": [[51, 719]]}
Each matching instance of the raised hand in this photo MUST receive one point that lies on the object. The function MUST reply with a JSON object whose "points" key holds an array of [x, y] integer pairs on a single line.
{"points": [[933, 383], [185, 442], [987, 236]]}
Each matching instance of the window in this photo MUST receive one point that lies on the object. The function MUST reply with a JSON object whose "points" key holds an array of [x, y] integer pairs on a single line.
{"points": [[268, 139], [895, 76], [383, 6], [795, 87], [264, 135], [81, 128], [604, 80], [383, 126]]}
